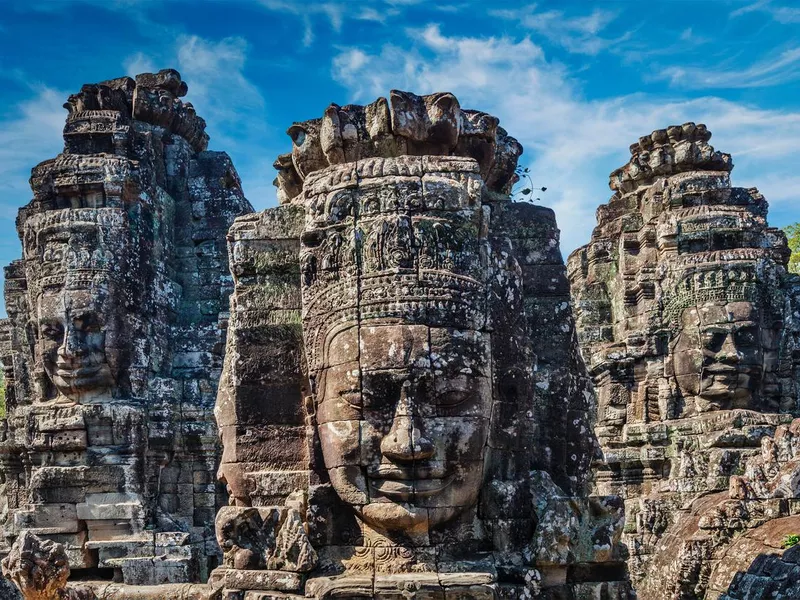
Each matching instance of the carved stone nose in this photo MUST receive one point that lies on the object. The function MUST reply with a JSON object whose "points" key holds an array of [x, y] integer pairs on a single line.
{"points": [[397, 444], [405, 441], [72, 344], [729, 353]]}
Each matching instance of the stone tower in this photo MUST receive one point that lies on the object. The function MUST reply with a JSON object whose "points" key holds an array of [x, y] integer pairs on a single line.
{"points": [[403, 407], [689, 325], [115, 334]]}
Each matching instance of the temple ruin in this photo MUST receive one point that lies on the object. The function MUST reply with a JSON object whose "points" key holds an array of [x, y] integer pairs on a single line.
{"points": [[115, 336], [689, 325], [411, 327], [390, 385]]}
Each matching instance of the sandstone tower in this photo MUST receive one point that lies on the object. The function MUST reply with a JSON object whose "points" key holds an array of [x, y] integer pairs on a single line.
{"points": [[113, 344], [689, 325], [403, 408]]}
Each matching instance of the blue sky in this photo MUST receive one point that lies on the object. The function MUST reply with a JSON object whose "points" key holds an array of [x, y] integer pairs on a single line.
{"points": [[575, 82]]}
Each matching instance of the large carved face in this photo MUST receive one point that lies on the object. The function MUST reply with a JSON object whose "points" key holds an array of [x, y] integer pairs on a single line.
{"points": [[718, 356], [72, 336], [403, 416]]}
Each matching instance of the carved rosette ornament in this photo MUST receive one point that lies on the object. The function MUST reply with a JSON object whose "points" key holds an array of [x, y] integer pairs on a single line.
{"points": [[687, 319], [403, 408], [113, 339]]}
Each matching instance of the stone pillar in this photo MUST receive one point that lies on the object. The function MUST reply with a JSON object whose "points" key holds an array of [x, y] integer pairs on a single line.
{"points": [[403, 407], [114, 341], [687, 320]]}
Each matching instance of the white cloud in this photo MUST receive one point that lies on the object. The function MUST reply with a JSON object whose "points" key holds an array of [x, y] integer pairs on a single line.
{"points": [[219, 89], [139, 63], [785, 15], [304, 11], [578, 34], [571, 143], [231, 104], [32, 136], [335, 13], [775, 70]]}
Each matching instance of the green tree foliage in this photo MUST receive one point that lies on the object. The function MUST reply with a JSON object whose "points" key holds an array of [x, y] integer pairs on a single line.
{"points": [[793, 233], [524, 189], [791, 540]]}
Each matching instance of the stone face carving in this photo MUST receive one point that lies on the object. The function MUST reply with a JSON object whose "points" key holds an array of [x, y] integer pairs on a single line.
{"points": [[113, 345], [687, 319], [403, 408]]}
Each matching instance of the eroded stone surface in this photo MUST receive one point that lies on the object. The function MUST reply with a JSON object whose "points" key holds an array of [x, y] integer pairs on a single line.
{"points": [[689, 323], [40, 569], [401, 374], [113, 345]]}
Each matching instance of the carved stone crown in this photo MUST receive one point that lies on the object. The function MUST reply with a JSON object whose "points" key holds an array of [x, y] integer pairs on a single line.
{"points": [[73, 248], [664, 152], [404, 125], [397, 239], [720, 283]]}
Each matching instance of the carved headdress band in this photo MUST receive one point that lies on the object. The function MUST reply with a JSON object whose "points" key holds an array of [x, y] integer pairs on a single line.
{"points": [[412, 253], [73, 248], [722, 283]]}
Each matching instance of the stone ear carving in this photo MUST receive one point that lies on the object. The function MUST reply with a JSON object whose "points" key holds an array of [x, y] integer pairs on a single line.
{"points": [[331, 135], [444, 114]]}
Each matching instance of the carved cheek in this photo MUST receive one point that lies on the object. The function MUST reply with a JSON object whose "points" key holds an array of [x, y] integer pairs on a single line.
{"points": [[96, 342], [49, 353], [687, 361], [752, 356], [459, 439], [370, 443], [340, 442]]}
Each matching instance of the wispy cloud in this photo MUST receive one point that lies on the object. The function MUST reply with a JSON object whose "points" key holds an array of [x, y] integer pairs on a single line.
{"points": [[786, 15], [775, 70], [33, 135], [335, 13], [571, 143], [220, 90], [578, 34], [226, 98], [139, 63]]}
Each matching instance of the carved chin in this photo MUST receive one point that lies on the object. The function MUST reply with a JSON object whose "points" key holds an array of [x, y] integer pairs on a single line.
{"points": [[391, 516]]}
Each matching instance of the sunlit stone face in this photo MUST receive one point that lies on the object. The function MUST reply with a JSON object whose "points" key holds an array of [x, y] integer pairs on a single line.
{"points": [[718, 357], [72, 336], [403, 416]]}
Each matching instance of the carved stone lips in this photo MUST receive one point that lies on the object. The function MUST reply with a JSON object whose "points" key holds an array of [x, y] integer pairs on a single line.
{"points": [[410, 472], [76, 373], [409, 488], [404, 483], [727, 371]]}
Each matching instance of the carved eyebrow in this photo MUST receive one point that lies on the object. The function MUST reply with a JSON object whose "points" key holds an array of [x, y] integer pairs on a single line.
{"points": [[85, 315], [459, 368], [49, 321], [728, 326]]}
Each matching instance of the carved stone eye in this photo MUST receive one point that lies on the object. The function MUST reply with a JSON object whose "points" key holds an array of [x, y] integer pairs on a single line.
{"points": [[298, 135]]}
